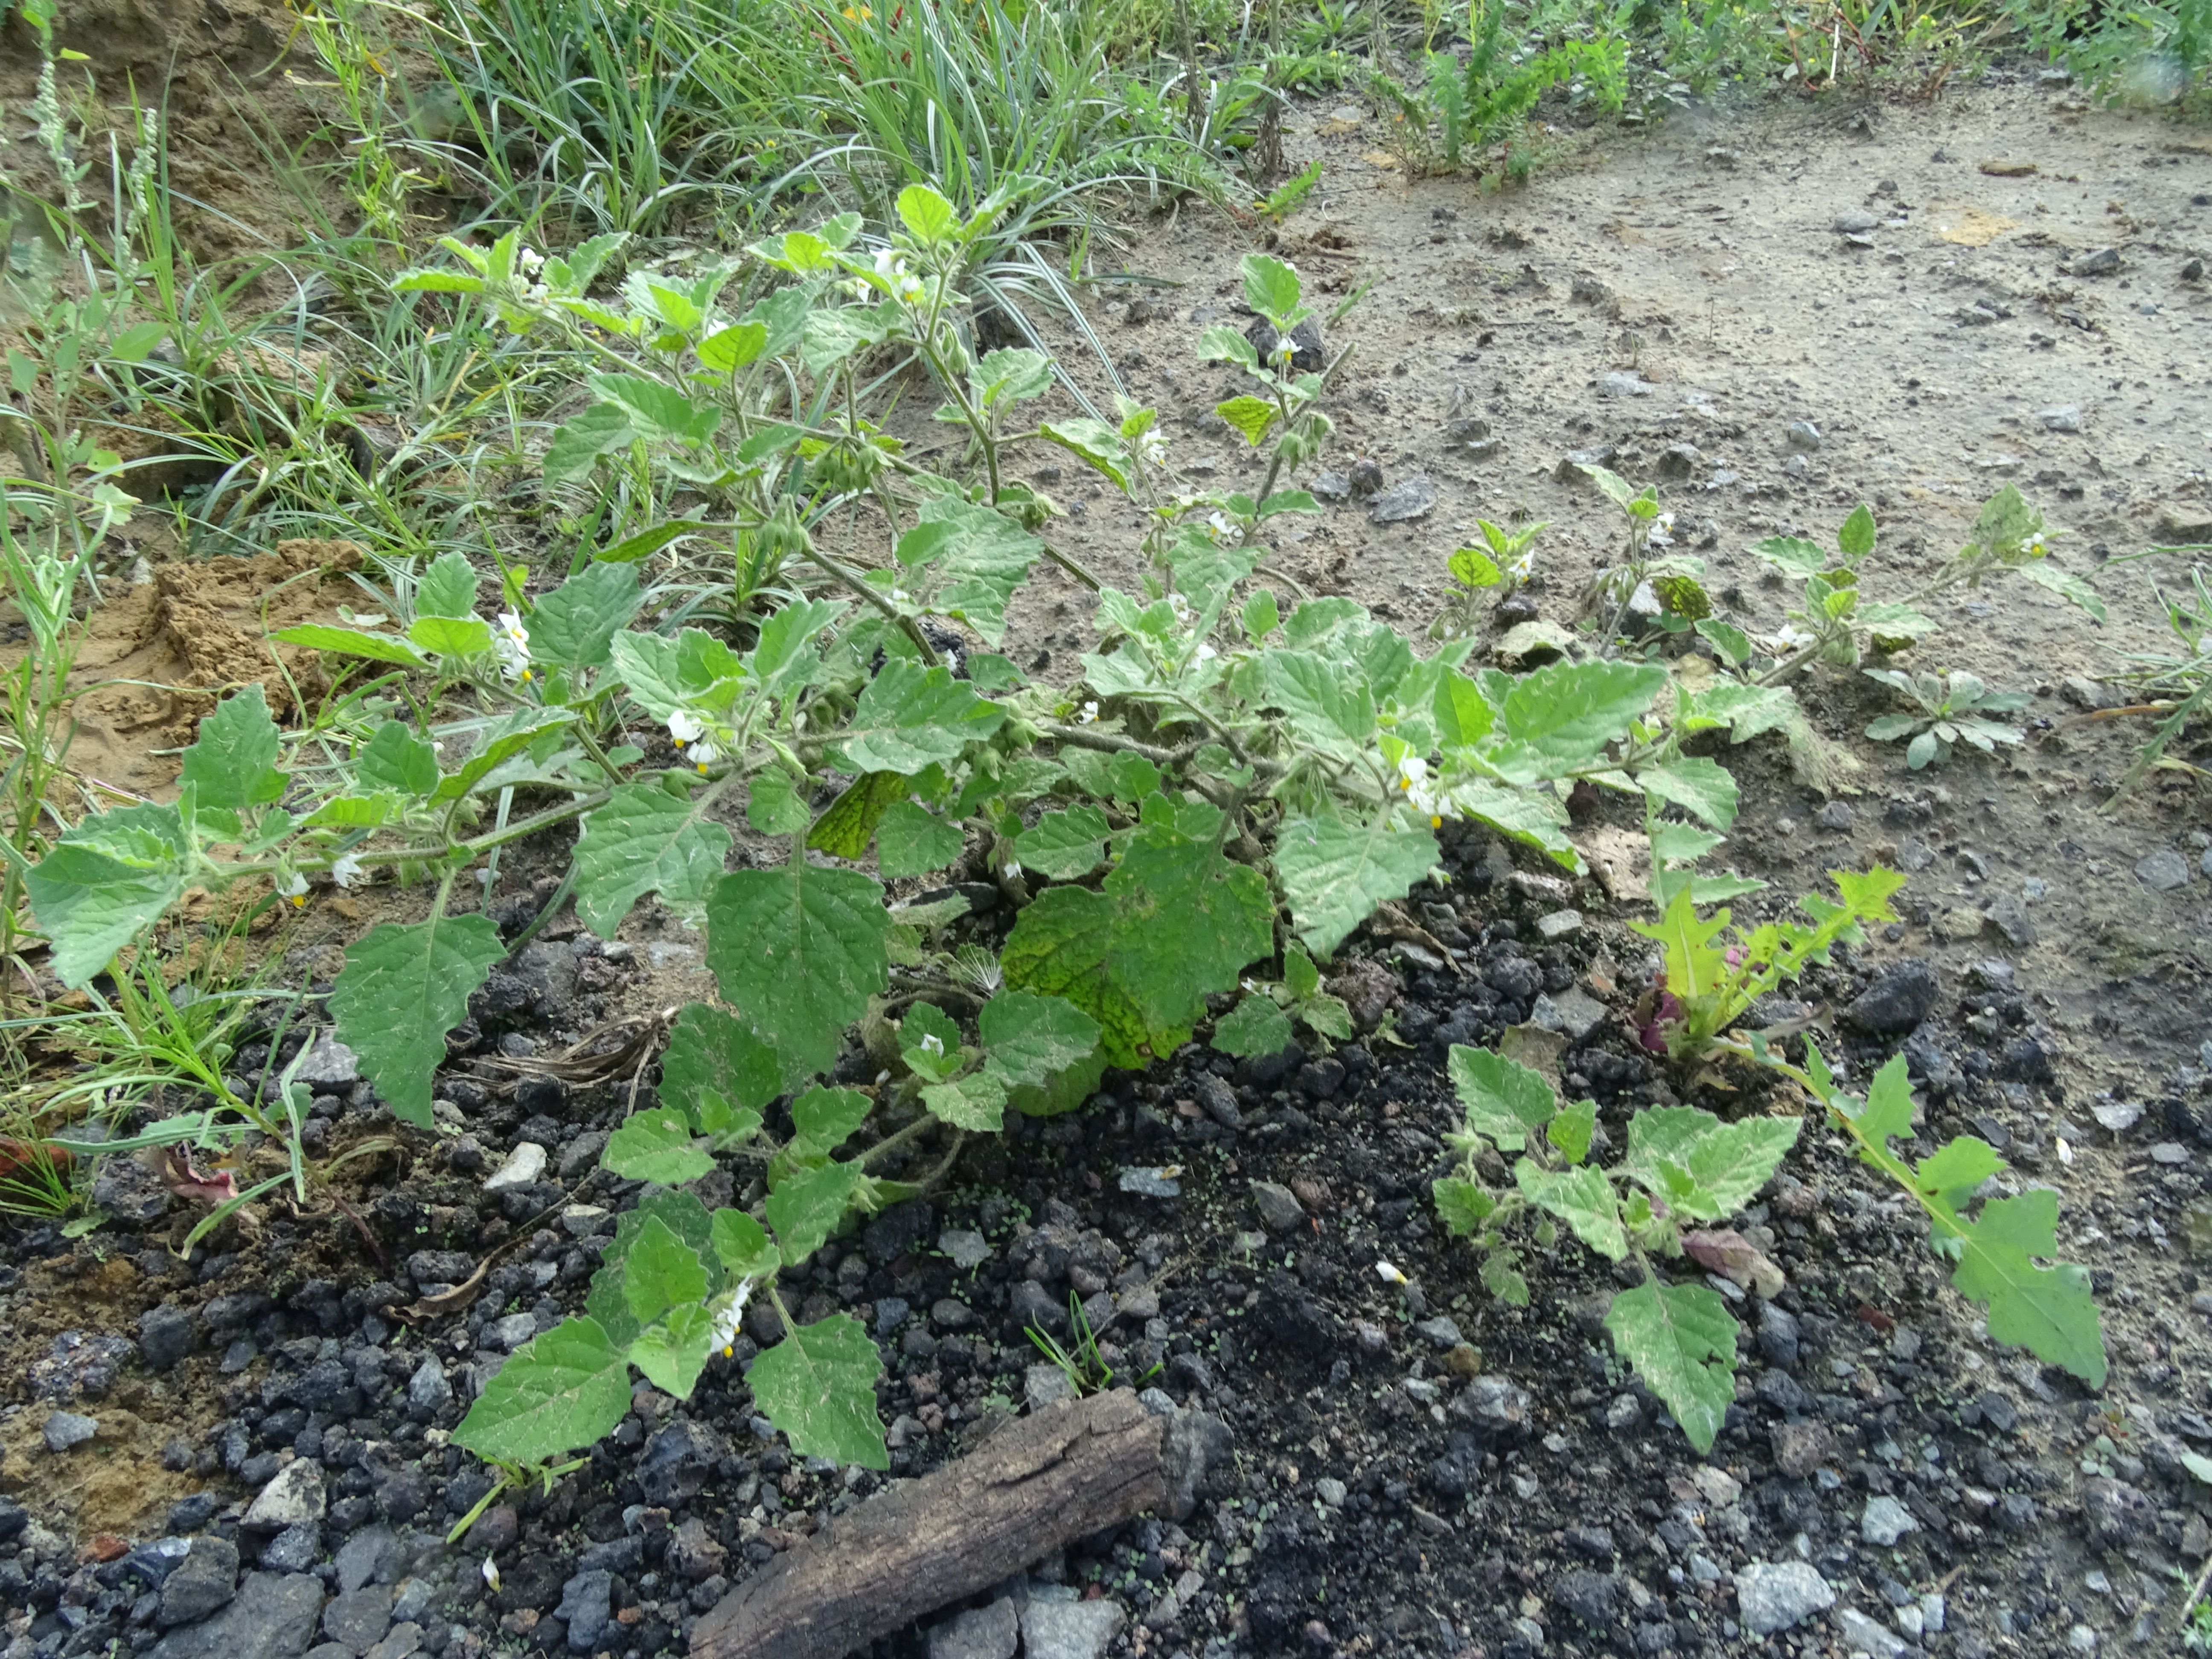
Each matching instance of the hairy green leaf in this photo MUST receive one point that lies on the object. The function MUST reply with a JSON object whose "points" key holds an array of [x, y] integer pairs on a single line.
{"points": [[912, 841], [556, 1393], [1335, 869], [645, 839], [1028, 1037], [1255, 1026], [1705, 1169], [909, 717], [2050, 1312], [396, 759], [656, 1146], [976, 558], [823, 1119], [711, 1054], [447, 588], [806, 1208], [232, 764], [1065, 846], [844, 829], [1561, 718], [1461, 1205], [575, 625], [673, 1352], [743, 1246], [1505, 1101], [402, 989], [798, 952], [661, 1270], [1582, 1198], [1681, 1340], [110, 876], [1696, 784], [818, 1386], [1175, 920], [976, 1102], [353, 641]]}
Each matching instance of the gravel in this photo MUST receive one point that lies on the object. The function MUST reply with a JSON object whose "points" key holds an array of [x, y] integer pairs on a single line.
{"points": [[1070, 1630], [66, 1429], [1774, 1596], [523, 1165], [989, 1632], [2162, 871], [1899, 1000]]}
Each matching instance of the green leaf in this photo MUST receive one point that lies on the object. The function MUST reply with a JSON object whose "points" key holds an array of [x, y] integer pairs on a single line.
{"points": [[806, 1208], [818, 1386], [233, 762], [1330, 1016], [111, 875], [1250, 415], [656, 1146], [1255, 1026], [1731, 643], [673, 1352], [1329, 704], [1011, 375], [1471, 568], [2066, 584], [1220, 343], [929, 1043], [1174, 920], [1571, 1129], [1856, 534], [743, 1246], [773, 805], [1335, 870], [661, 1270], [1065, 846], [1270, 285], [1500, 1279], [732, 348], [843, 830], [558, 1393], [1504, 1100], [1951, 1172], [1300, 977], [1696, 784], [656, 410], [1027, 1038], [645, 839], [822, 1119], [976, 558], [450, 637], [925, 212], [976, 1102], [1695, 965], [1793, 555], [783, 659], [353, 641], [1681, 1340], [2047, 1311], [602, 429], [437, 282], [501, 741], [1461, 1205], [1093, 442], [682, 1215], [711, 1053], [909, 717], [1581, 1197], [1260, 616], [402, 989], [396, 759], [911, 841], [1561, 718], [447, 588], [800, 950], [1464, 717], [1705, 1168], [574, 625]]}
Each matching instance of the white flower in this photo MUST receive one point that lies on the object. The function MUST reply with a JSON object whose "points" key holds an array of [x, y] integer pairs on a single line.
{"points": [[2065, 1152], [704, 753], [2038, 545], [685, 727], [295, 888], [729, 1314], [1660, 528], [1013, 870], [1284, 350], [1206, 653], [1388, 1274], [1414, 779], [1089, 713], [932, 1043], [1219, 526], [1152, 446], [1790, 638], [1523, 567], [529, 261], [345, 869], [512, 643], [490, 1570], [1251, 988]]}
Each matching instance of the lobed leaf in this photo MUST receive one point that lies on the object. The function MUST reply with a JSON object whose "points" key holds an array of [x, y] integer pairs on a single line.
{"points": [[1335, 870], [798, 952], [109, 876], [1681, 1340], [645, 840], [818, 1386], [557, 1393], [401, 990], [1504, 1101]]}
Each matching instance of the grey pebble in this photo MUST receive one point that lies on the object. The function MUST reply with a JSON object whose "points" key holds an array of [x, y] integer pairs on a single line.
{"points": [[1410, 499], [1278, 1207], [66, 1429], [2162, 871], [1776, 1596]]}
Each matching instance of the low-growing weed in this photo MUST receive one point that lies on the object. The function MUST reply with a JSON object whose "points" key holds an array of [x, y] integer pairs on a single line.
{"points": [[1954, 709]]}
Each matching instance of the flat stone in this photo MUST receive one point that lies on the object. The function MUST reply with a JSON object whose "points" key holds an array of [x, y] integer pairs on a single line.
{"points": [[329, 1066], [1885, 1521], [2102, 262], [967, 1250], [2085, 693], [1150, 1183], [1070, 1630], [1869, 1635], [357, 1619], [2064, 418], [374, 1555], [1622, 383], [293, 1497], [2162, 871], [523, 1165], [272, 1617], [1573, 1013], [979, 1633], [1775, 1596], [66, 1429], [1856, 224], [1897, 1001], [403, 1641], [505, 1335], [129, 1191], [1278, 1207], [1803, 437], [1560, 924], [1332, 1492], [1044, 1384], [1409, 499], [204, 1581]]}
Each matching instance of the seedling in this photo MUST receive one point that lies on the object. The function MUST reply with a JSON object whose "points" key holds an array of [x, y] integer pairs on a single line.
{"points": [[1954, 709]]}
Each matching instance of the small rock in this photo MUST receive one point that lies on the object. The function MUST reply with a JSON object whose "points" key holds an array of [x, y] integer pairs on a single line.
{"points": [[1070, 1630], [1857, 224], [1278, 1207], [1332, 1492], [1560, 924], [1442, 1330], [1331, 486], [967, 1250], [357, 1619], [1218, 1099], [66, 1429], [429, 1393], [1886, 1521], [1775, 1596], [1572, 466], [129, 1191], [294, 1497], [330, 1066], [2064, 418], [206, 1579], [1836, 814], [1410, 499], [1864, 1635], [586, 1608], [1801, 1447], [1150, 1183], [505, 1335], [1623, 384], [2162, 871], [1574, 1013], [979, 1633], [2184, 521], [523, 1168], [2085, 693], [165, 1335], [293, 1549], [2102, 262], [272, 1617], [1365, 477], [2117, 1512], [1587, 1595], [1803, 436], [374, 1555], [1046, 1384], [1897, 1001]]}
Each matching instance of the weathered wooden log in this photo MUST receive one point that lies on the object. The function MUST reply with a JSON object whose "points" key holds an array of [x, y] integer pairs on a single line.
{"points": [[1034, 1487]]}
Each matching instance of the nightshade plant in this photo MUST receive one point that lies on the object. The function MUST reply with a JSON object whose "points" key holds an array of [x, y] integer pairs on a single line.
{"points": [[1954, 709]]}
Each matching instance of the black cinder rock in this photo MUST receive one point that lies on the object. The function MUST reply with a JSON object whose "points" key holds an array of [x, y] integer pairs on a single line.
{"points": [[1897, 1001]]}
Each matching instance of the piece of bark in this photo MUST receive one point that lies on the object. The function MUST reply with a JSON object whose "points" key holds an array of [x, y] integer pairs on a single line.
{"points": [[1033, 1488]]}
